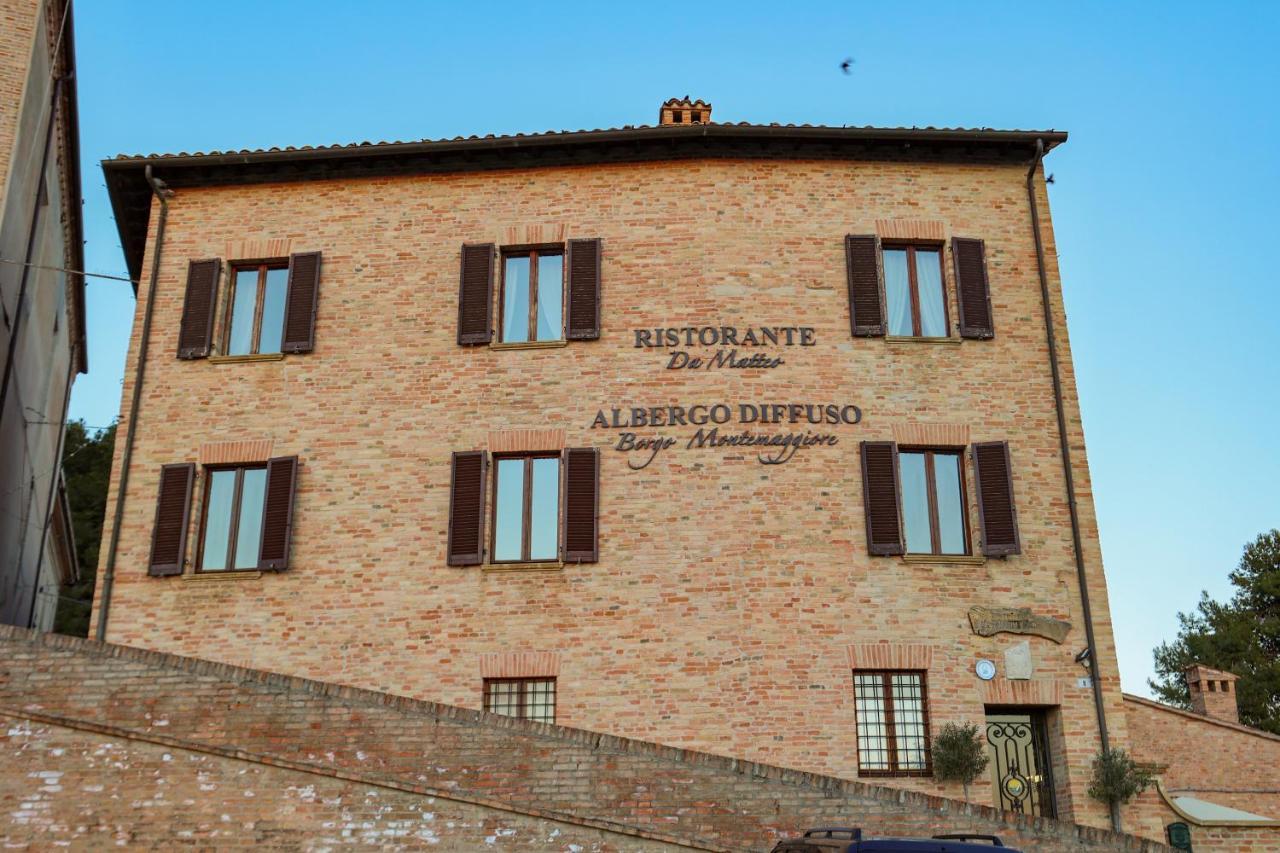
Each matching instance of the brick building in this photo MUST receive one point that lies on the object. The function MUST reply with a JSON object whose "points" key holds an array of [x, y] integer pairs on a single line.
{"points": [[754, 440], [42, 310]]}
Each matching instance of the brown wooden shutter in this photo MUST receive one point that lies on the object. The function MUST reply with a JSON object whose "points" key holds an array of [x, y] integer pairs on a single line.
{"points": [[996, 511], [581, 532], [466, 508], [300, 303], [173, 516], [198, 307], [866, 285], [583, 322], [277, 513], [972, 290], [475, 295], [881, 497]]}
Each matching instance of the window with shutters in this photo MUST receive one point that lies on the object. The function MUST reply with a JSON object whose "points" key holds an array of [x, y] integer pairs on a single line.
{"points": [[256, 309], [525, 698], [934, 515], [231, 521], [915, 299], [892, 714], [526, 509], [532, 295]]}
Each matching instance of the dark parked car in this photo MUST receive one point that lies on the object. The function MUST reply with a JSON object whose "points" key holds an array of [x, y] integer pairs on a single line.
{"points": [[847, 840]]}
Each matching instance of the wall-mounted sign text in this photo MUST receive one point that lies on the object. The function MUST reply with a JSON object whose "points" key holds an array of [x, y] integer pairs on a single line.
{"points": [[772, 448], [988, 621], [738, 347]]}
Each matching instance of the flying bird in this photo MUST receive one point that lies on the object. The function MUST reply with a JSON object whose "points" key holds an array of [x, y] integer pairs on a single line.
{"points": [[844, 66], [1049, 179]]}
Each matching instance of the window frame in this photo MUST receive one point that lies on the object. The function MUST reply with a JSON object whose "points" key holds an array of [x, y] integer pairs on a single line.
{"points": [[532, 252], [913, 286], [234, 528], [526, 507], [522, 704], [931, 489], [263, 267], [890, 726]]}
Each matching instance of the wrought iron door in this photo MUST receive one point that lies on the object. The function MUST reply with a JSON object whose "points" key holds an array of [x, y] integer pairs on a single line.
{"points": [[1020, 764]]}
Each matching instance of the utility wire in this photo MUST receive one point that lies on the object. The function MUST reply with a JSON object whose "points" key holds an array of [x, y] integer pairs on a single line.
{"points": [[68, 269]]}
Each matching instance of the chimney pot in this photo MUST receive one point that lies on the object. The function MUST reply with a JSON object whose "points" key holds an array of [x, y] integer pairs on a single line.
{"points": [[1212, 694], [684, 111]]}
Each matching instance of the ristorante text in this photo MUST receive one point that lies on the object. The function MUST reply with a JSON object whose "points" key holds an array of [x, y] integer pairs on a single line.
{"points": [[731, 340]]}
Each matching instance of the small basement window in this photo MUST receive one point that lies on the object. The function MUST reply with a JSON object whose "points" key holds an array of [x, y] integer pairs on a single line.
{"points": [[524, 698]]}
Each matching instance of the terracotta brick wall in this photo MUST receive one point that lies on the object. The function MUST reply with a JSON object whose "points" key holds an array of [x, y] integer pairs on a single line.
{"points": [[104, 744], [1221, 762], [17, 29], [727, 592]]}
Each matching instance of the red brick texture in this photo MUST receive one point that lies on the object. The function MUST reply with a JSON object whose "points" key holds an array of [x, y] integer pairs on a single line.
{"points": [[1224, 763], [727, 592], [105, 743]]}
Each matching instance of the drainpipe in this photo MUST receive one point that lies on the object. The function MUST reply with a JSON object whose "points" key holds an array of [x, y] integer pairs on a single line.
{"points": [[162, 194], [1081, 575]]}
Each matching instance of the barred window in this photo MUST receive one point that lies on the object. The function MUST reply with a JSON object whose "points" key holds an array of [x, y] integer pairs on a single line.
{"points": [[893, 723], [526, 698]]}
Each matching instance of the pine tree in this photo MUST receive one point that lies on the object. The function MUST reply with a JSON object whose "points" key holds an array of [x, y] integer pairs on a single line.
{"points": [[86, 466], [1240, 636]]}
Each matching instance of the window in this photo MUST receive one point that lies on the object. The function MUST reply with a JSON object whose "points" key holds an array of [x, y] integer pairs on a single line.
{"points": [[256, 308], [526, 509], [893, 723], [933, 501], [913, 291], [533, 296], [525, 698], [231, 531]]}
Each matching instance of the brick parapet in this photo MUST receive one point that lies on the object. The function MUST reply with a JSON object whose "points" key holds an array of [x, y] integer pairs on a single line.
{"points": [[570, 775]]}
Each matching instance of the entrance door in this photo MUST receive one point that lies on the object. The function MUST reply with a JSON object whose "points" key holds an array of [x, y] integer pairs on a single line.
{"points": [[1020, 767]]}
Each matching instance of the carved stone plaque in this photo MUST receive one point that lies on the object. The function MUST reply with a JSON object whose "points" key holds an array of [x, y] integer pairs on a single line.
{"points": [[987, 621]]}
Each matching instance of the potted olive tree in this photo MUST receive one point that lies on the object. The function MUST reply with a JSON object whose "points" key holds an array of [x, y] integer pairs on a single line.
{"points": [[1117, 778], [959, 754]]}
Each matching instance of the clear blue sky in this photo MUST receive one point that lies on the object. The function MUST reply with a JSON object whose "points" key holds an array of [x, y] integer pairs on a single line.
{"points": [[1163, 204]]}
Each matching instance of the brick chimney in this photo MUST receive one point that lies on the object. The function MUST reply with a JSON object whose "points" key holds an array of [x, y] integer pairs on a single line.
{"points": [[1213, 693], [685, 111]]}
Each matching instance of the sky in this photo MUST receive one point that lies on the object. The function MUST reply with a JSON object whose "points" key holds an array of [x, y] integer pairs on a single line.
{"points": [[1162, 201]]}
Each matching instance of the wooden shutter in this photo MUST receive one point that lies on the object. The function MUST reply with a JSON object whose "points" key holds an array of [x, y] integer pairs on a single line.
{"points": [[475, 295], [881, 497], [466, 508], [300, 303], [996, 511], [581, 532], [866, 285], [584, 290], [972, 290], [277, 513], [198, 307], [173, 516]]}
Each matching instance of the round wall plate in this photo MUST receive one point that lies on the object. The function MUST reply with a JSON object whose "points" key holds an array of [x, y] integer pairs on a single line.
{"points": [[986, 669]]}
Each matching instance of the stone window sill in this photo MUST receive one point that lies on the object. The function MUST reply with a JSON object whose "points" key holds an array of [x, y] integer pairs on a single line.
{"points": [[524, 567], [222, 577], [910, 339], [946, 559], [243, 359], [529, 345]]}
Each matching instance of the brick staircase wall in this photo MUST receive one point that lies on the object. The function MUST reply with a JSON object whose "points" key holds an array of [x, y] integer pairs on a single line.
{"points": [[102, 742]]}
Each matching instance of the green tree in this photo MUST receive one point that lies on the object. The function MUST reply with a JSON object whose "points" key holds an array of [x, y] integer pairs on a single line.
{"points": [[86, 465], [1240, 636], [959, 754]]}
